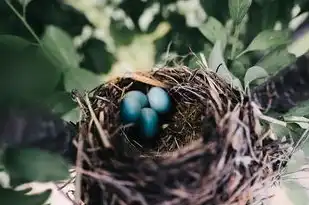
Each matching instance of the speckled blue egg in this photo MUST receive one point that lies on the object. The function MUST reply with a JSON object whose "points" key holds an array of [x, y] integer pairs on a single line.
{"points": [[130, 110], [159, 100], [149, 123], [138, 95]]}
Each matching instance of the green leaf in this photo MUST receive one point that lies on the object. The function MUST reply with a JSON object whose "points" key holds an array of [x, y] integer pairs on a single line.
{"points": [[9, 196], [296, 162], [301, 109], [96, 57], [81, 79], [60, 103], [28, 165], [305, 147], [26, 190], [235, 41], [254, 73], [60, 45], [207, 49], [217, 64], [303, 122], [270, 11], [261, 2], [72, 116], [292, 131], [296, 131], [122, 35], [24, 2], [238, 9], [30, 75], [14, 42], [296, 192], [213, 30], [194, 62], [238, 69], [266, 40], [276, 60], [279, 130]]}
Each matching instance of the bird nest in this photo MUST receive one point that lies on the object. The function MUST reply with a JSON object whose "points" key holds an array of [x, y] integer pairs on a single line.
{"points": [[211, 148]]}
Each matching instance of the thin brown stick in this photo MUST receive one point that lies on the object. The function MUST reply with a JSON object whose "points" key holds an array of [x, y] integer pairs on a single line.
{"points": [[97, 123]]}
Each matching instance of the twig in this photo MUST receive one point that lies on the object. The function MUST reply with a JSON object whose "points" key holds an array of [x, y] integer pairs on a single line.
{"points": [[97, 123]]}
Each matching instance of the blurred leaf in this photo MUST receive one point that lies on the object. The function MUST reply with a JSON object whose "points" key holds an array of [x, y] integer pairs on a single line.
{"points": [[30, 75], [217, 64], [296, 131], [261, 1], [238, 9], [296, 192], [303, 122], [27, 165], [305, 145], [217, 8], [207, 48], [270, 10], [96, 56], [236, 42], [81, 79], [1, 162], [25, 191], [276, 60], [9, 196], [296, 162], [72, 116], [292, 131], [148, 17], [14, 42], [245, 60], [238, 69], [213, 30], [61, 47], [24, 2], [194, 62], [267, 39], [61, 103], [134, 9], [137, 56], [122, 35], [254, 73], [301, 109], [279, 130]]}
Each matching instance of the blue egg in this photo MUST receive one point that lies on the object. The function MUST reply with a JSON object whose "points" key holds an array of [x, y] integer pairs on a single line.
{"points": [[159, 100], [149, 122], [141, 97], [130, 110]]}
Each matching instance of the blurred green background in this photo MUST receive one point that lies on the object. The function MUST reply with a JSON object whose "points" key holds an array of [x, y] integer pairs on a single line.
{"points": [[49, 48]]}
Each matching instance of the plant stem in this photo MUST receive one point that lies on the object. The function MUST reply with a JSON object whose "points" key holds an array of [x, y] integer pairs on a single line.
{"points": [[48, 54], [24, 21], [235, 35], [24, 11]]}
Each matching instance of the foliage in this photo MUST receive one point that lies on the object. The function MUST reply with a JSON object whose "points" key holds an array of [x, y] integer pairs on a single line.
{"points": [[50, 48], [15, 161], [9, 196]]}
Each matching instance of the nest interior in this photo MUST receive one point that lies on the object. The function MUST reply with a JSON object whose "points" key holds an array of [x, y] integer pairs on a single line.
{"points": [[211, 148]]}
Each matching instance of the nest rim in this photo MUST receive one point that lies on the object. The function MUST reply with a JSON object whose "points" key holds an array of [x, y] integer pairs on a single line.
{"points": [[197, 145], [152, 79]]}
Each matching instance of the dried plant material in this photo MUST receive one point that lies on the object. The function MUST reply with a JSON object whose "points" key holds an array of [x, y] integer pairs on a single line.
{"points": [[212, 148]]}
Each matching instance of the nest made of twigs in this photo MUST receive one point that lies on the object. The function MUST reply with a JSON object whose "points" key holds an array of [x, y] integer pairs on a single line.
{"points": [[211, 148]]}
